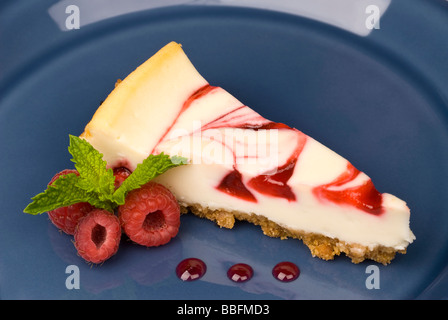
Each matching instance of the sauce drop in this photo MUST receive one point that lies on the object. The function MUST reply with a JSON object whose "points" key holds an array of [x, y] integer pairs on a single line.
{"points": [[286, 271], [191, 269], [240, 272]]}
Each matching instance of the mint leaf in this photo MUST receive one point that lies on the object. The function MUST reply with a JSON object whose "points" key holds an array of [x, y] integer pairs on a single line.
{"points": [[63, 192], [95, 177], [150, 168]]}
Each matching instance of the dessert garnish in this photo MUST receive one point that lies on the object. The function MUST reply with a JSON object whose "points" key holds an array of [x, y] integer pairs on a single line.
{"points": [[96, 204]]}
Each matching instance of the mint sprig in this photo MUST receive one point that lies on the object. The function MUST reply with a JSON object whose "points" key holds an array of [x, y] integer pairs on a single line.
{"points": [[95, 177], [95, 183]]}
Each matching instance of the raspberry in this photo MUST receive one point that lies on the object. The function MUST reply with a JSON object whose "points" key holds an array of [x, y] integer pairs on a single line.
{"points": [[62, 173], [66, 218], [150, 215], [120, 174], [97, 236]]}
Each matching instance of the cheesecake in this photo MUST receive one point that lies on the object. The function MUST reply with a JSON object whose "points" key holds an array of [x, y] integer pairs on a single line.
{"points": [[242, 166]]}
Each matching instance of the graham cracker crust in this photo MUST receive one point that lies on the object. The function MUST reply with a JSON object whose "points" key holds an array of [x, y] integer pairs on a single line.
{"points": [[320, 246]]}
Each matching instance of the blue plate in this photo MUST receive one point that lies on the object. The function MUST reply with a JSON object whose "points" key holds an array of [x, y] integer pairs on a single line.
{"points": [[373, 90]]}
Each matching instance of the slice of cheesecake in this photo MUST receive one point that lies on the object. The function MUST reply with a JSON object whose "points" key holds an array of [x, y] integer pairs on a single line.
{"points": [[243, 166]]}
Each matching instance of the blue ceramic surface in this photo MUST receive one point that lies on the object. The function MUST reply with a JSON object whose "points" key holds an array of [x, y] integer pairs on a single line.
{"points": [[379, 99]]}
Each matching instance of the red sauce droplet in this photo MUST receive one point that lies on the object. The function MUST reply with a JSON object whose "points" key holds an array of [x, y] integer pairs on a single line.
{"points": [[286, 271], [240, 272], [364, 197], [191, 269], [233, 185]]}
